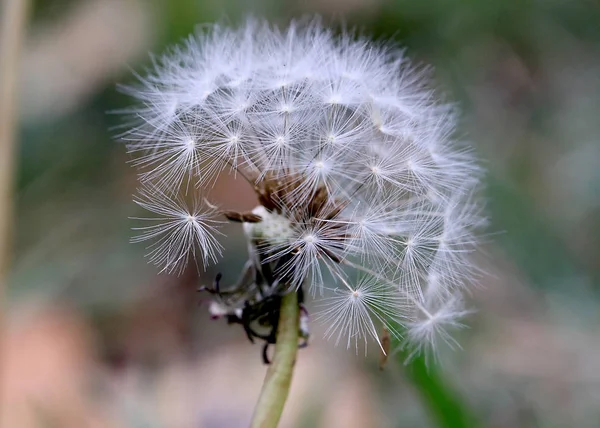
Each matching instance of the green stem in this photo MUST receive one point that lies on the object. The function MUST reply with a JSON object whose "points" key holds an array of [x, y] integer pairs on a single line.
{"points": [[277, 382], [441, 401], [13, 26]]}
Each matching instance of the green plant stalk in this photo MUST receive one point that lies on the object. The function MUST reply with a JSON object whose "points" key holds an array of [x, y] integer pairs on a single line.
{"points": [[13, 26], [277, 382], [441, 402]]}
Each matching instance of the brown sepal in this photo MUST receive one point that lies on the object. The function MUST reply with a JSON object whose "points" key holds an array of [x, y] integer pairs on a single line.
{"points": [[246, 217]]}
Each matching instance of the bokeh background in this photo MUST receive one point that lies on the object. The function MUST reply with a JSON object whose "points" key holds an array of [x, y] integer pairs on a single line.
{"points": [[93, 337]]}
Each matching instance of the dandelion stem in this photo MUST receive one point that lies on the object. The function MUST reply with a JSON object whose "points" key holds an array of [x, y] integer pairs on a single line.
{"points": [[277, 382]]}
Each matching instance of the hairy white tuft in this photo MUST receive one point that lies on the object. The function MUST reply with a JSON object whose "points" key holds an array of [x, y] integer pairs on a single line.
{"points": [[179, 232], [353, 157]]}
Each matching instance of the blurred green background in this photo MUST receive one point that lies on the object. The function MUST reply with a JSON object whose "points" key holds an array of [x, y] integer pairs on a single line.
{"points": [[94, 338]]}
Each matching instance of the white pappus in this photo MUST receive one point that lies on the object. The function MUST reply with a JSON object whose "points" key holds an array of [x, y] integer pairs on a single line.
{"points": [[367, 200]]}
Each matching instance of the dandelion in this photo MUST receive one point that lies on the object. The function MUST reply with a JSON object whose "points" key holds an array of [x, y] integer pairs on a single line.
{"points": [[367, 199]]}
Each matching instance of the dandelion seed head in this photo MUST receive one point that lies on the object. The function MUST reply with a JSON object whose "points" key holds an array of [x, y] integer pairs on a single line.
{"points": [[273, 228], [352, 155]]}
